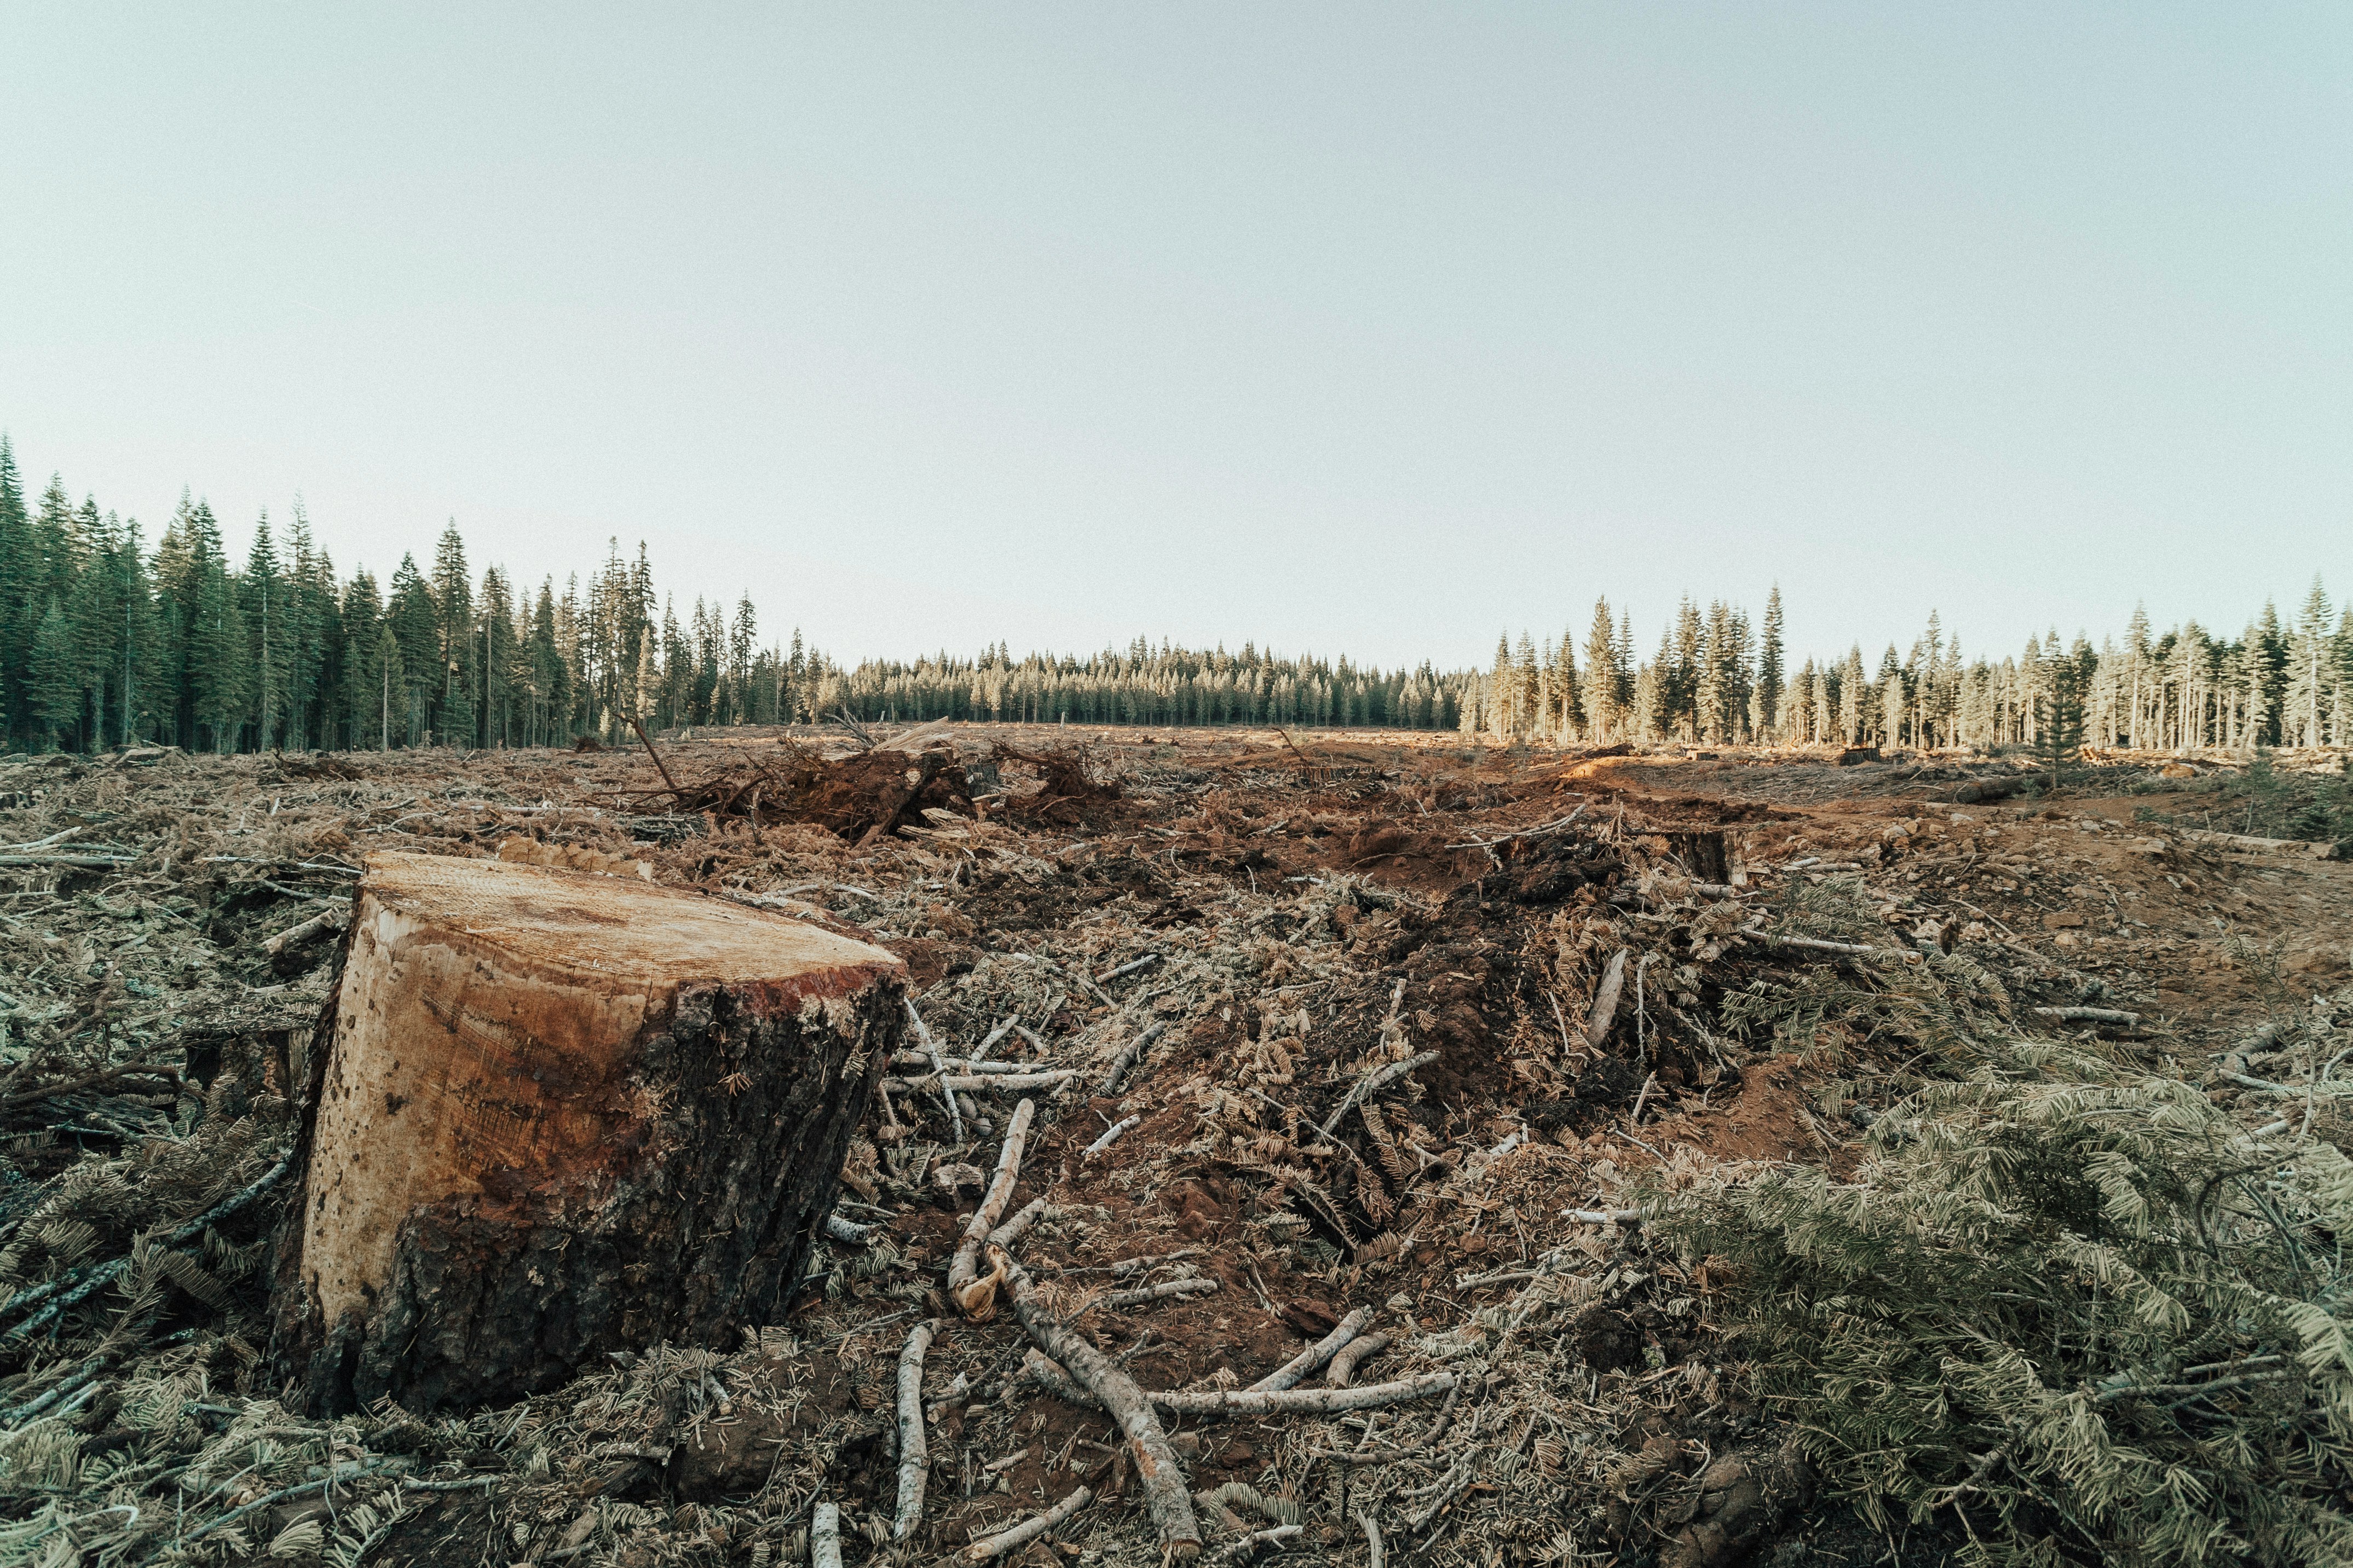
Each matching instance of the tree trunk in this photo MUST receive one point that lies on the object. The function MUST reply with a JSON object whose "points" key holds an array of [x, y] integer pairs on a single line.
{"points": [[557, 1114]]}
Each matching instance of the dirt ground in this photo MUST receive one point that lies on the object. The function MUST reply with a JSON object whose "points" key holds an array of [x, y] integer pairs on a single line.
{"points": [[1275, 919]]}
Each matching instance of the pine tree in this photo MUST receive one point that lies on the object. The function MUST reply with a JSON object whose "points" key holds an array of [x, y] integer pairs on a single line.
{"points": [[1770, 700], [1602, 707]]}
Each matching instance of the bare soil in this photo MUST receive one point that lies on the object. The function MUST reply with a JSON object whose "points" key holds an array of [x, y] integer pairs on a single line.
{"points": [[1292, 913]]}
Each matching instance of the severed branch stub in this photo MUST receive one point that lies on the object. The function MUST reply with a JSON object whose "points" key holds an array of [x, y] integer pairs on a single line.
{"points": [[976, 1298], [1303, 1365], [915, 1458], [1605, 1000], [1028, 1530], [1148, 1448]]}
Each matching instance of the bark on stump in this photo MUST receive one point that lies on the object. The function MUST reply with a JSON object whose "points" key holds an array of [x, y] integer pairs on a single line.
{"points": [[558, 1114]]}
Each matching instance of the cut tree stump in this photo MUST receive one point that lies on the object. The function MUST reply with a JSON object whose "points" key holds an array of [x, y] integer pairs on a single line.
{"points": [[554, 1114]]}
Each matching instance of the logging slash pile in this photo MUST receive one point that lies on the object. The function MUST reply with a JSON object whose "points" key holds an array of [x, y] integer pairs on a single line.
{"points": [[1341, 1150]]}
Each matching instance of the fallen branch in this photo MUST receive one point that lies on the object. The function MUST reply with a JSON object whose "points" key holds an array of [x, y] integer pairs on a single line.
{"points": [[1372, 1083], [1155, 1461], [1849, 949], [1303, 1365], [915, 1458], [1111, 1135], [967, 1083], [1346, 1359], [1160, 1292], [326, 920], [2090, 1015], [948, 1090], [962, 1282], [1108, 976], [1028, 1530], [1014, 1229], [1305, 1400], [1238, 1551], [1128, 1056], [1376, 1557]]}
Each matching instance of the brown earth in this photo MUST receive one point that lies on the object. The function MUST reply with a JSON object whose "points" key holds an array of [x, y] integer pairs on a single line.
{"points": [[1313, 907]]}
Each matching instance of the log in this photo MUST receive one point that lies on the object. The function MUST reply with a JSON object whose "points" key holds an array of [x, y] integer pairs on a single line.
{"points": [[552, 1114]]}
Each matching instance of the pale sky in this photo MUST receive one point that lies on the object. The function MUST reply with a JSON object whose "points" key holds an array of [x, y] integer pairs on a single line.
{"points": [[1342, 328]]}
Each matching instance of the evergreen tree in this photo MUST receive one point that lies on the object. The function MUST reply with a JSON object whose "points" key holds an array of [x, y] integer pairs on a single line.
{"points": [[1769, 686]]}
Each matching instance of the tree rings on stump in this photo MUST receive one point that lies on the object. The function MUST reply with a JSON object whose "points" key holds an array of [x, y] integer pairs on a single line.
{"points": [[558, 1114]]}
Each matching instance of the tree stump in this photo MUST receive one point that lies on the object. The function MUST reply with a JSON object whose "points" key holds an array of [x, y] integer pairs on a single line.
{"points": [[553, 1114]]}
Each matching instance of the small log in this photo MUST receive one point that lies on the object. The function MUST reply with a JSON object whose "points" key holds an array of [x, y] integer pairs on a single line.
{"points": [[824, 1536], [1155, 1461], [553, 1114], [914, 1453]]}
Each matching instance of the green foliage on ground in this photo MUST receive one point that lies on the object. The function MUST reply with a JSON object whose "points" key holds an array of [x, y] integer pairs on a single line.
{"points": [[2068, 1304]]}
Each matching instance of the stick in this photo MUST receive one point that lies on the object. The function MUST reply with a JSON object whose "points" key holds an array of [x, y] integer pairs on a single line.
{"points": [[1053, 1078], [1305, 1400], [1605, 1000], [1344, 1360], [962, 1064], [1028, 1530], [961, 1272], [1303, 1365], [1108, 976], [2089, 1015], [1128, 1058], [850, 1231], [1156, 1462], [1367, 1085], [1851, 950], [659, 766], [1642, 1098], [948, 1090], [1160, 1292], [1603, 1216], [326, 920], [1014, 1229], [1372, 1539], [1236, 1551], [914, 1459], [825, 1537], [1111, 1135], [989, 1044]]}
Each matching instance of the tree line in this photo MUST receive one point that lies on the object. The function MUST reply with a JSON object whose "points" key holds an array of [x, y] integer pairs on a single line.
{"points": [[105, 641], [1716, 679]]}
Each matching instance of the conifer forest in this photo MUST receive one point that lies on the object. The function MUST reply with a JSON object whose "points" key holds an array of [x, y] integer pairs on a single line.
{"points": [[108, 640]]}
